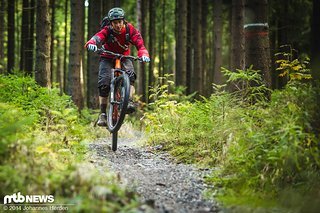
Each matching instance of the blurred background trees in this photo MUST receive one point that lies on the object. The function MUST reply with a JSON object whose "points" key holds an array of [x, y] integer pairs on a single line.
{"points": [[190, 39]]}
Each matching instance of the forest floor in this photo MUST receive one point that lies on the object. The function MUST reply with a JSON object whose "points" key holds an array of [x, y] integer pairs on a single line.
{"points": [[162, 184]]}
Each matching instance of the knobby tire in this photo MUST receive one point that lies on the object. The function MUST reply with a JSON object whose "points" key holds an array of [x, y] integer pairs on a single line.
{"points": [[114, 140], [117, 111]]}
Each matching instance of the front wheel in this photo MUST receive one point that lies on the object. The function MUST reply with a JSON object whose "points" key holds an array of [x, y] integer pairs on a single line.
{"points": [[118, 103], [114, 141]]}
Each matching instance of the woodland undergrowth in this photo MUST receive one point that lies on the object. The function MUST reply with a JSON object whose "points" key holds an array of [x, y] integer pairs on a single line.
{"points": [[43, 146], [261, 143]]}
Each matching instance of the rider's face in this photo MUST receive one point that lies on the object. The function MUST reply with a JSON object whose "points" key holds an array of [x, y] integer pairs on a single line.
{"points": [[117, 25]]}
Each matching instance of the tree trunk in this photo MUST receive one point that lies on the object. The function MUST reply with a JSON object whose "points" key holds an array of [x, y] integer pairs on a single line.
{"points": [[95, 17], [11, 38], [197, 72], [315, 51], [190, 47], [315, 62], [237, 55], [24, 34], [217, 28], [30, 41], [52, 53], [2, 30], [144, 9], [282, 39], [106, 6], [75, 51], [42, 71], [117, 3], [206, 88], [152, 41], [237, 35], [181, 40], [257, 47], [140, 70], [65, 68], [162, 39], [59, 71]]}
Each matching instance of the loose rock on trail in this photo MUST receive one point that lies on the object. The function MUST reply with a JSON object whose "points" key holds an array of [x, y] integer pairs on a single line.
{"points": [[161, 183]]}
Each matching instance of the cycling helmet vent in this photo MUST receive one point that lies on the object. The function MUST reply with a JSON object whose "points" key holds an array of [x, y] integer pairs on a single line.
{"points": [[116, 13]]}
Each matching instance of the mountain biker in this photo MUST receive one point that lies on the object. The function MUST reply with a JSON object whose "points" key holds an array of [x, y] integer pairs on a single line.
{"points": [[116, 37]]}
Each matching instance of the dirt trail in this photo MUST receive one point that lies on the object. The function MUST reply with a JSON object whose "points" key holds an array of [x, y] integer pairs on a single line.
{"points": [[161, 183]]}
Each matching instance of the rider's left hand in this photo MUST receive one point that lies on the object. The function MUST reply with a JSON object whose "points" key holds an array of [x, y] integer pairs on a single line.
{"points": [[145, 59]]}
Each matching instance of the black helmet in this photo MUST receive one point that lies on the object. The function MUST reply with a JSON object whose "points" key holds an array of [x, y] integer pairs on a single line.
{"points": [[116, 13]]}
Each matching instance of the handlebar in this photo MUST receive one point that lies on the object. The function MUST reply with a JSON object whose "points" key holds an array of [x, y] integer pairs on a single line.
{"points": [[118, 55]]}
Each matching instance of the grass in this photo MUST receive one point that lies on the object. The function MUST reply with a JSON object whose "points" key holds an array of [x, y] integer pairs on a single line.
{"points": [[263, 147], [43, 146]]}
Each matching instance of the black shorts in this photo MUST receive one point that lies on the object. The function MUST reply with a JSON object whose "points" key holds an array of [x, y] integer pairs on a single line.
{"points": [[104, 77]]}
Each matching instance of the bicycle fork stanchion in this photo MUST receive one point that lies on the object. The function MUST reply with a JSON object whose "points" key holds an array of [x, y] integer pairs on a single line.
{"points": [[112, 87]]}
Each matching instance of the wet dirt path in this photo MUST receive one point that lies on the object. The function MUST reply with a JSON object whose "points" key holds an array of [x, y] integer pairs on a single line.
{"points": [[162, 183]]}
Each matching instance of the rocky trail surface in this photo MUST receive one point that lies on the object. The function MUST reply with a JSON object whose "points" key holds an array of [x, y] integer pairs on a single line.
{"points": [[163, 184]]}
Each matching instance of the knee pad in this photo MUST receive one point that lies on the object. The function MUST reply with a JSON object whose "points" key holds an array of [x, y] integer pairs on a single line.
{"points": [[132, 76], [104, 91]]}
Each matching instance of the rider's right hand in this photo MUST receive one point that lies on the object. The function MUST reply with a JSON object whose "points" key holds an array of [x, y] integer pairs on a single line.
{"points": [[92, 47]]}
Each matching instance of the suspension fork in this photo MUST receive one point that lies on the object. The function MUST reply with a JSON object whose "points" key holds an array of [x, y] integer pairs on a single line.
{"points": [[113, 74]]}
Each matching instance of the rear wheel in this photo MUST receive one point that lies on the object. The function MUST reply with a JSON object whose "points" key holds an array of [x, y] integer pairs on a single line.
{"points": [[118, 107]]}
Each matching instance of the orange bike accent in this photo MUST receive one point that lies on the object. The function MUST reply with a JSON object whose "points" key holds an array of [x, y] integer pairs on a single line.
{"points": [[117, 63]]}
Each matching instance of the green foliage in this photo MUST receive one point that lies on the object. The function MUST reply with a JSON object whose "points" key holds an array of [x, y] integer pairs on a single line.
{"points": [[25, 93], [43, 146], [248, 83], [13, 124], [293, 69], [262, 146]]}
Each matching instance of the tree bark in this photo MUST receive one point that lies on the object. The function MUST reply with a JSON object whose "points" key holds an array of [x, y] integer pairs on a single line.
{"points": [[237, 55], [140, 67], [24, 33], [42, 71], [257, 45], [315, 45], [190, 47], [144, 13], [152, 41], [29, 64], [2, 30], [237, 35], [65, 68], [106, 6], [206, 88], [59, 73], [11, 33], [52, 53], [197, 72], [75, 51], [162, 39], [315, 62], [117, 3], [181, 40], [217, 28], [95, 16]]}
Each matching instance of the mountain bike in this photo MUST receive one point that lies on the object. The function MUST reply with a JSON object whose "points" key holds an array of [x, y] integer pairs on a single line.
{"points": [[118, 95]]}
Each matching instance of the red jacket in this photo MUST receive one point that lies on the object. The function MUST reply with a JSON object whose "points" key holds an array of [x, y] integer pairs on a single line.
{"points": [[135, 39]]}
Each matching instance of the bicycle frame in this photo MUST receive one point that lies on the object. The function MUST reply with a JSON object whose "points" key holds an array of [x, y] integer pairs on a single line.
{"points": [[116, 72], [119, 95]]}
